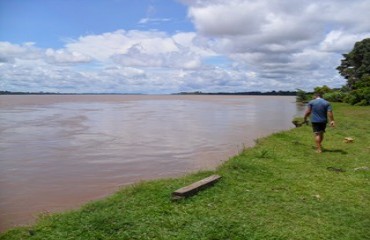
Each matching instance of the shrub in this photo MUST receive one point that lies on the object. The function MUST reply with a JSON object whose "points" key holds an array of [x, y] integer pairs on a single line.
{"points": [[322, 90], [302, 96], [359, 97], [336, 96]]}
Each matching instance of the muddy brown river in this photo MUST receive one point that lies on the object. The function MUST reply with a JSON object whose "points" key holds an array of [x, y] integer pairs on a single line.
{"points": [[60, 151]]}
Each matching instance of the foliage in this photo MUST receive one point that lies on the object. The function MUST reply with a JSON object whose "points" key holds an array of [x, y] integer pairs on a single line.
{"points": [[361, 93], [279, 189], [302, 96], [335, 96], [356, 63], [360, 97], [322, 90], [355, 67], [299, 121]]}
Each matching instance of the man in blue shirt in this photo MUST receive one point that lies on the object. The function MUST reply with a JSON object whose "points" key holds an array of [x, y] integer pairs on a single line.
{"points": [[319, 109]]}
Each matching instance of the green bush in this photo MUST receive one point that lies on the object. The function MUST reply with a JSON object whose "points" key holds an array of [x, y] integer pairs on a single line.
{"points": [[302, 96], [323, 90], [359, 97], [336, 96]]}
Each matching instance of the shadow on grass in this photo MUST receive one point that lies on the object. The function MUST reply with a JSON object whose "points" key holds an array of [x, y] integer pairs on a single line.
{"points": [[324, 150], [335, 151]]}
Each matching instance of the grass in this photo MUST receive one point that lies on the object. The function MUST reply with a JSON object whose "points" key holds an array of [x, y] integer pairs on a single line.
{"points": [[279, 189]]}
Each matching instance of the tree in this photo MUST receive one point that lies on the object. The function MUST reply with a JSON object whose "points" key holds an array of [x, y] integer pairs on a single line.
{"points": [[356, 63], [355, 67], [322, 90], [302, 96]]}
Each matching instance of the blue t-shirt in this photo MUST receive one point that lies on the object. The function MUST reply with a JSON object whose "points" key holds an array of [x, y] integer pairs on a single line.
{"points": [[319, 110]]}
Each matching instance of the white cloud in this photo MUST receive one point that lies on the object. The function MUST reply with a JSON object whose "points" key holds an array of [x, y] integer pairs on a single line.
{"points": [[297, 43], [65, 57], [340, 42], [231, 18], [142, 49], [121, 61], [138, 56], [104, 46], [9, 52], [101, 47], [153, 20]]}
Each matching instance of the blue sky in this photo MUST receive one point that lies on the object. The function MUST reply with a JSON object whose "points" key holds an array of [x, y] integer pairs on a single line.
{"points": [[49, 23], [164, 46]]}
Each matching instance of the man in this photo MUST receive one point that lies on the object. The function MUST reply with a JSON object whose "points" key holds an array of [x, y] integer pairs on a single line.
{"points": [[319, 109]]}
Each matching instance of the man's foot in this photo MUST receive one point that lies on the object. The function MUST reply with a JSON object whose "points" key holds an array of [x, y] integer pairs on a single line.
{"points": [[319, 150]]}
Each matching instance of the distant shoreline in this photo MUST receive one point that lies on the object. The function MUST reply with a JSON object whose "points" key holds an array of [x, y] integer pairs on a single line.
{"points": [[56, 93], [270, 93]]}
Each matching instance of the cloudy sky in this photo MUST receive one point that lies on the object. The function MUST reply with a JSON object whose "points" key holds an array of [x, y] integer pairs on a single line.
{"points": [[168, 46]]}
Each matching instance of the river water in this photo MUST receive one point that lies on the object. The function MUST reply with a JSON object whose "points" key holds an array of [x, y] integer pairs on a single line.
{"points": [[60, 151]]}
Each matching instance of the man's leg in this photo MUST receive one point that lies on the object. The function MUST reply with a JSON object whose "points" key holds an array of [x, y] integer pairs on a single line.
{"points": [[319, 137]]}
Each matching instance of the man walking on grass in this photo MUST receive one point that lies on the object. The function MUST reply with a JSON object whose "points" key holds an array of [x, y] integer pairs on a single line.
{"points": [[319, 109]]}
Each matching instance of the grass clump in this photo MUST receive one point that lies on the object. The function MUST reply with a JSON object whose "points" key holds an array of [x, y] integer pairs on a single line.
{"points": [[279, 189]]}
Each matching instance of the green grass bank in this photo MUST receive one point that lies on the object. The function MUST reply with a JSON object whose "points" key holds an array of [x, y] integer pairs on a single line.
{"points": [[279, 189]]}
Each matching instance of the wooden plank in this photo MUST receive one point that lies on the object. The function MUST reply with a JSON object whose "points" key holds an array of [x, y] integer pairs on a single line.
{"points": [[195, 187]]}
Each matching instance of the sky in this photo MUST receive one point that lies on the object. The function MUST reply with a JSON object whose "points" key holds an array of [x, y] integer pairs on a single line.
{"points": [[171, 46]]}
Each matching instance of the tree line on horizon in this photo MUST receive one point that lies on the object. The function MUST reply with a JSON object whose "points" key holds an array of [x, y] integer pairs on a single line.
{"points": [[269, 93]]}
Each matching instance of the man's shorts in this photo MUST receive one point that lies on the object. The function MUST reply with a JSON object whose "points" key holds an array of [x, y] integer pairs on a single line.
{"points": [[318, 127]]}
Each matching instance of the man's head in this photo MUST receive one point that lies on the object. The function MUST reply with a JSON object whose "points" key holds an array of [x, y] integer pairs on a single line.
{"points": [[318, 94]]}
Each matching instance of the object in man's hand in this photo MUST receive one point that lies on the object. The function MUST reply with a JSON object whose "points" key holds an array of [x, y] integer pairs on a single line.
{"points": [[298, 121]]}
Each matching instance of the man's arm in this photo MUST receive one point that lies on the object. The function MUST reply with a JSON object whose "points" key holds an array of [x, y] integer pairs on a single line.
{"points": [[331, 117], [307, 113]]}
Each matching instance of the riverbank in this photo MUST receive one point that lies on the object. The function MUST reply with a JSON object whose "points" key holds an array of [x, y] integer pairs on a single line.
{"points": [[279, 189]]}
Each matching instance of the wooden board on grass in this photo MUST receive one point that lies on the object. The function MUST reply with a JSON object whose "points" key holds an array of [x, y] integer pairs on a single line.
{"points": [[193, 188]]}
